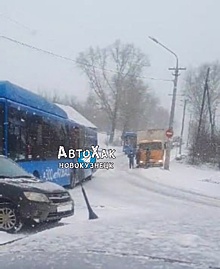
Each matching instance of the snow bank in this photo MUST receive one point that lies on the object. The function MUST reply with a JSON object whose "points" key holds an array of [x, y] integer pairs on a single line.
{"points": [[103, 144], [102, 140], [182, 176]]}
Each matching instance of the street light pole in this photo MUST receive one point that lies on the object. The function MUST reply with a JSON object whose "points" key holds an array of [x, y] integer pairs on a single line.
{"points": [[172, 110]]}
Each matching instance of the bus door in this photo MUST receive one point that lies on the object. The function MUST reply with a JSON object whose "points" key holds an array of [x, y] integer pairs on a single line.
{"points": [[2, 129]]}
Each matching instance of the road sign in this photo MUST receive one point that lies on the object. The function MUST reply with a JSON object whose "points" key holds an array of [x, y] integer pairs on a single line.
{"points": [[169, 133]]}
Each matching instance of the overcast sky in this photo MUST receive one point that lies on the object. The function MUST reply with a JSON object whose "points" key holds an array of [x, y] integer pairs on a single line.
{"points": [[67, 27]]}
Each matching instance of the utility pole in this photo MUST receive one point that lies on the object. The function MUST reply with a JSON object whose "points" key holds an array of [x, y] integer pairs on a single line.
{"points": [[211, 118], [172, 111], [212, 124], [182, 129], [189, 131], [202, 109], [203, 103]]}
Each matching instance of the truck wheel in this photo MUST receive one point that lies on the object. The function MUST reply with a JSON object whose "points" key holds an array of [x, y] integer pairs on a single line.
{"points": [[10, 221]]}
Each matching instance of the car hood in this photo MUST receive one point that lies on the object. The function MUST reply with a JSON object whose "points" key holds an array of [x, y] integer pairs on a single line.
{"points": [[34, 185]]}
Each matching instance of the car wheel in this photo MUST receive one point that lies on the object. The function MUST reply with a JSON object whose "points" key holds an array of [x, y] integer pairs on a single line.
{"points": [[10, 221]]}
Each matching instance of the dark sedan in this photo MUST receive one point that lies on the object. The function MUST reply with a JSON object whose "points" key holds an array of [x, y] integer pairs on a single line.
{"points": [[24, 198]]}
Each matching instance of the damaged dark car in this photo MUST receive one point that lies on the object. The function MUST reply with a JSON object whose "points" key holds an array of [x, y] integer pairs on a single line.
{"points": [[26, 199]]}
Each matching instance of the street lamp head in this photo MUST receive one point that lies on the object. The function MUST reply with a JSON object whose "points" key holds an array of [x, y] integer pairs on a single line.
{"points": [[154, 39]]}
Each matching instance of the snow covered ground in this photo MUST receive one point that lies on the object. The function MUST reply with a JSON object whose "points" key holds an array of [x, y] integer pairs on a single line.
{"points": [[148, 218], [102, 139], [203, 180]]}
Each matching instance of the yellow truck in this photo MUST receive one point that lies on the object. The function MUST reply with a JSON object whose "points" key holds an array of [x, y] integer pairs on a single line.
{"points": [[151, 147]]}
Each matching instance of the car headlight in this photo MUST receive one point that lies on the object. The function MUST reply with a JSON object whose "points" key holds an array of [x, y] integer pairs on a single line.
{"points": [[36, 197], [160, 161], [141, 161]]}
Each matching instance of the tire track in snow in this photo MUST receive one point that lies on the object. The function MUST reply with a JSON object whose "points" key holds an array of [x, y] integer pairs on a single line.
{"points": [[179, 189], [143, 256], [13, 241], [169, 191], [153, 258], [32, 233]]}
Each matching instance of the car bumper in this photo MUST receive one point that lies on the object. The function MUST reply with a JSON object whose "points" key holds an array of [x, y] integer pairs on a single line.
{"points": [[43, 212]]}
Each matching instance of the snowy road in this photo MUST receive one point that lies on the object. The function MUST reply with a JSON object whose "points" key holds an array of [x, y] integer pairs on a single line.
{"points": [[142, 224]]}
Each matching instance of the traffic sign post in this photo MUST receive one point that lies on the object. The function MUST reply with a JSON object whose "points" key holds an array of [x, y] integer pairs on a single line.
{"points": [[169, 133]]}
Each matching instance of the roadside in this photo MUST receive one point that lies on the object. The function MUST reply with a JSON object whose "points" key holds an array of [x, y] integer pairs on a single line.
{"points": [[201, 180]]}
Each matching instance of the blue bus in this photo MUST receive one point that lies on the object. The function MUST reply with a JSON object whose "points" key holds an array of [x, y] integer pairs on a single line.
{"points": [[31, 131], [84, 138], [87, 137], [129, 140]]}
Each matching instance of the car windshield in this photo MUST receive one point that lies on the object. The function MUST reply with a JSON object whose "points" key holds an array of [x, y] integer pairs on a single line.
{"points": [[10, 169]]}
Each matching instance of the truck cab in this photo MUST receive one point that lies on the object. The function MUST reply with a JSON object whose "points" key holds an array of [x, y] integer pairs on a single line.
{"points": [[150, 153]]}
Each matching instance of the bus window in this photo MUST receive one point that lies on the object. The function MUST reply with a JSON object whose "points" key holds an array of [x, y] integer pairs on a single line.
{"points": [[34, 137], [67, 136], [60, 137], [49, 138], [75, 138], [1, 128], [17, 139], [82, 136], [54, 135]]}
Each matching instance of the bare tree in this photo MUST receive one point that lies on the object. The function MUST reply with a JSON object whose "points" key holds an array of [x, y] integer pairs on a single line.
{"points": [[194, 90], [107, 70], [194, 85], [132, 105], [52, 97], [95, 113], [66, 99]]}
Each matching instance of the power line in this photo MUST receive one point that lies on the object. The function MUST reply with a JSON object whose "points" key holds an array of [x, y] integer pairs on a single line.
{"points": [[37, 49], [69, 59], [17, 23]]}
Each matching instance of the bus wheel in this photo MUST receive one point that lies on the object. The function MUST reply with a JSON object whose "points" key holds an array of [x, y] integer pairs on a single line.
{"points": [[89, 178], [72, 181], [36, 174]]}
